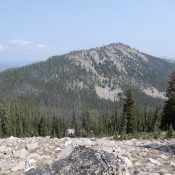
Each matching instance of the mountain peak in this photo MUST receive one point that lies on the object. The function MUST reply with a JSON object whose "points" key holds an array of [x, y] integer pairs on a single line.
{"points": [[110, 51], [118, 45], [123, 61]]}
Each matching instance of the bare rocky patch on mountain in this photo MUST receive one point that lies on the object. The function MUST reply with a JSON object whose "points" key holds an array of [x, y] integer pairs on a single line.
{"points": [[127, 65]]}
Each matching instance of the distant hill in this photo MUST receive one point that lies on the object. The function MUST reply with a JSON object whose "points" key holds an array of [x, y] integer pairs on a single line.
{"points": [[13, 64], [91, 79], [3, 67]]}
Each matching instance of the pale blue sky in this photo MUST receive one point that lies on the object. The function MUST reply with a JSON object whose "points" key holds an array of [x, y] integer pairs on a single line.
{"points": [[36, 29]]}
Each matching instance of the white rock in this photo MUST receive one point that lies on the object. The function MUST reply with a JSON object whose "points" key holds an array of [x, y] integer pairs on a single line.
{"points": [[55, 139], [51, 147], [138, 163], [47, 137], [58, 149], [133, 139], [19, 166], [31, 162], [32, 146], [12, 139], [154, 161], [28, 168], [163, 156], [6, 150], [88, 142], [67, 143], [64, 153], [22, 153], [127, 161], [33, 156], [141, 173], [45, 157], [172, 163], [2, 149]]}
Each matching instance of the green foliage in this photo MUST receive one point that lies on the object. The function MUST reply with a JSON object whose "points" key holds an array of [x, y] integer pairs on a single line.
{"points": [[42, 126], [58, 127], [19, 120], [129, 113], [169, 108], [15, 120], [77, 128], [156, 122], [5, 119], [170, 131], [124, 124]]}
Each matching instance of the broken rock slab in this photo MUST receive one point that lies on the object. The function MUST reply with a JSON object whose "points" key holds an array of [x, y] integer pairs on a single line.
{"points": [[83, 160], [154, 161]]}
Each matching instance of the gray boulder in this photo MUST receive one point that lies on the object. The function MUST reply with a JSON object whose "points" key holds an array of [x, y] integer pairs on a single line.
{"points": [[84, 161]]}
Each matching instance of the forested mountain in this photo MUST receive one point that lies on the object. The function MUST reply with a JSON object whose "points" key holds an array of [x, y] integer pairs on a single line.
{"points": [[92, 79]]}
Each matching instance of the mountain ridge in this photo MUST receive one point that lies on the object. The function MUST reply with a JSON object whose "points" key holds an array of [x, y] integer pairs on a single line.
{"points": [[122, 49], [91, 79]]}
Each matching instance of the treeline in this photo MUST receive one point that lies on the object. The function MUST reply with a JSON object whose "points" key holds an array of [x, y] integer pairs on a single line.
{"points": [[132, 120], [17, 120]]}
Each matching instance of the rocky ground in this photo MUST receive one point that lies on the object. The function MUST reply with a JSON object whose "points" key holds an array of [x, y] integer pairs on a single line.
{"points": [[142, 157]]}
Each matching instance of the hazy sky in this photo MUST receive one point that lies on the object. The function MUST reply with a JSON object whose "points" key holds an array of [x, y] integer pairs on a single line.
{"points": [[37, 29]]}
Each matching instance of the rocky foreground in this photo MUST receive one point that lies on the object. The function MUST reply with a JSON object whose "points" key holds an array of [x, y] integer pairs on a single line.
{"points": [[86, 156]]}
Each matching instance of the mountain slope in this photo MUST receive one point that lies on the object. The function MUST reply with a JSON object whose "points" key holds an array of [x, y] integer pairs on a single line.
{"points": [[90, 79]]}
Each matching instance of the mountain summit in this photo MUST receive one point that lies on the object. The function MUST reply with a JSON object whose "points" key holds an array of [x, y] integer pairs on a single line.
{"points": [[117, 66], [89, 78]]}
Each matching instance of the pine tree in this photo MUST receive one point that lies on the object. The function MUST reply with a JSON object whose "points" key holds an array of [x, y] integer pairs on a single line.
{"points": [[42, 127], [115, 122], [62, 128], [170, 131], [77, 128], [73, 122], [107, 127], [169, 108], [5, 119], [156, 119], [86, 122], [55, 126], [129, 113], [139, 119], [123, 124], [18, 115]]}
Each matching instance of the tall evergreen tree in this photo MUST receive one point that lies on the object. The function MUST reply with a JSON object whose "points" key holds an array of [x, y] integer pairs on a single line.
{"points": [[42, 127], [55, 132], [115, 121], [77, 128], [169, 108], [156, 119], [5, 119], [129, 113], [123, 123], [73, 122], [86, 122], [19, 119]]}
